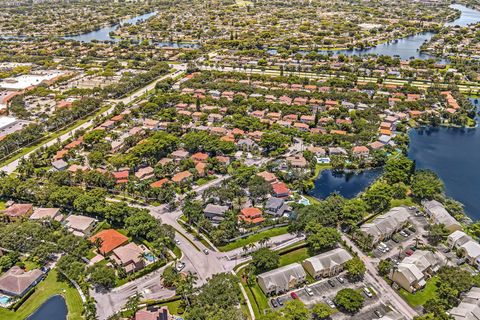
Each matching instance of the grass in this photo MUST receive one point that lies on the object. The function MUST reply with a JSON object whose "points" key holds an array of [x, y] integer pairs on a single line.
{"points": [[2, 205], [254, 238], [177, 252], [202, 181], [294, 256], [30, 265], [46, 289], [408, 201], [257, 299], [173, 306], [420, 297]]}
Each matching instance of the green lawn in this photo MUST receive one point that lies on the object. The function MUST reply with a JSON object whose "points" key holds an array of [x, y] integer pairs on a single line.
{"points": [[408, 201], [294, 256], [173, 306], [46, 289], [254, 238], [2, 205], [319, 167], [420, 297]]}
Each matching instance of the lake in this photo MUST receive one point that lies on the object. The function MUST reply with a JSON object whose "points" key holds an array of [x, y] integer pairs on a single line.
{"points": [[454, 154], [103, 34], [408, 47], [347, 184], [54, 308]]}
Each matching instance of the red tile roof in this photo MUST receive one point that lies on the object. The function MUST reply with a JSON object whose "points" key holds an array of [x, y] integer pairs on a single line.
{"points": [[110, 240]]}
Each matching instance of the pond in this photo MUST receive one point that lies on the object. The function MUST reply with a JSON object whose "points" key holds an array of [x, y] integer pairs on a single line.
{"points": [[454, 154], [347, 184], [54, 308]]}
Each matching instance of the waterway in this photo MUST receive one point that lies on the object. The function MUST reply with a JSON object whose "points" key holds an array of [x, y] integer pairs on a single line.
{"points": [[409, 47], [54, 308], [347, 184], [454, 154]]}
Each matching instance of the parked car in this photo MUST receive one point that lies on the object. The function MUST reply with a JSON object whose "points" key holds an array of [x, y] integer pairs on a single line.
{"points": [[309, 291], [205, 251], [279, 301], [378, 314], [403, 233], [340, 279], [330, 303], [293, 295], [331, 283], [409, 252], [367, 292], [177, 241], [274, 303], [180, 266]]}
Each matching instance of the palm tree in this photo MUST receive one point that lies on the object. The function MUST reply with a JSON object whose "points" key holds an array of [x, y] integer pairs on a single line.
{"points": [[245, 249], [267, 239], [400, 249]]}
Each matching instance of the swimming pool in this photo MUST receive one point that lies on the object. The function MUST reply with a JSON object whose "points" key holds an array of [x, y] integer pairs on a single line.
{"points": [[150, 257], [304, 201], [5, 300]]}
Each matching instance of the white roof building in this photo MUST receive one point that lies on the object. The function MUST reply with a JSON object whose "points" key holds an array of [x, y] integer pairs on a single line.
{"points": [[439, 214], [386, 225], [327, 264], [282, 279]]}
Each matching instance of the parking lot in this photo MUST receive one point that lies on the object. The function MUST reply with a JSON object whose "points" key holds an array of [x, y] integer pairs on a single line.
{"points": [[366, 313], [324, 292]]}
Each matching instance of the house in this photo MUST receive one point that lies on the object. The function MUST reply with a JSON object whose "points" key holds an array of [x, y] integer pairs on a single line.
{"points": [[317, 151], [327, 264], [469, 307], [79, 225], [214, 117], [199, 157], [360, 151], [60, 165], [129, 257], [247, 144], [337, 151], [181, 176], [384, 226], [297, 161], [155, 314], [268, 176], [47, 213], [215, 212], [281, 280], [121, 176], [251, 215], [19, 210], [280, 190], [439, 214], [276, 207], [412, 273], [159, 183], [457, 238], [110, 239], [179, 155], [471, 251], [144, 173], [16, 282], [200, 168]]}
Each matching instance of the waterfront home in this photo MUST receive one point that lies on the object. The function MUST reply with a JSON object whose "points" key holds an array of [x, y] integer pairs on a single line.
{"points": [[16, 282], [281, 280], [297, 161], [338, 151], [360, 151], [457, 238], [469, 307], [439, 214], [412, 272], [109, 240], [153, 313], [317, 151], [215, 212], [384, 226], [79, 225], [46, 213], [327, 264], [129, 257], [280, 190]]}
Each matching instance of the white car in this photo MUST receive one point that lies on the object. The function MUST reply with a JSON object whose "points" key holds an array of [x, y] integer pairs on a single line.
{"points": [[309, 291], [330, 303], [180, 266], [177, 241], [368, 292]]}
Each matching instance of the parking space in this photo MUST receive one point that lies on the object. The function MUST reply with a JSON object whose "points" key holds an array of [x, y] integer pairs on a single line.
{"points": [[372, 310]]}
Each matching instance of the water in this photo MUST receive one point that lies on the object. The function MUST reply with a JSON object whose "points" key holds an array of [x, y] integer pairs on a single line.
{"points": [[103, 34], [54, 308], [347, 184], [4, 300], [454, 154], [408, 47]]}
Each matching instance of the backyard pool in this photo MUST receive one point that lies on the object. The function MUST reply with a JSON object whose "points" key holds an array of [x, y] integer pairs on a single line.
{"points": [[5, 300]]}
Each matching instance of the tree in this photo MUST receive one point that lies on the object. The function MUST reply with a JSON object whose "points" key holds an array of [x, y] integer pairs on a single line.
{"points": [[398, 169], [353, 212], [378, 196], [321, 238], [426, 184], [133, 302], [355, 268], [102, 275], [322, 311], [436, 233], [264, 260], [274, 315], [295, 310], [349, 300], [170, 276], [384, 267], [259, 188]]}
